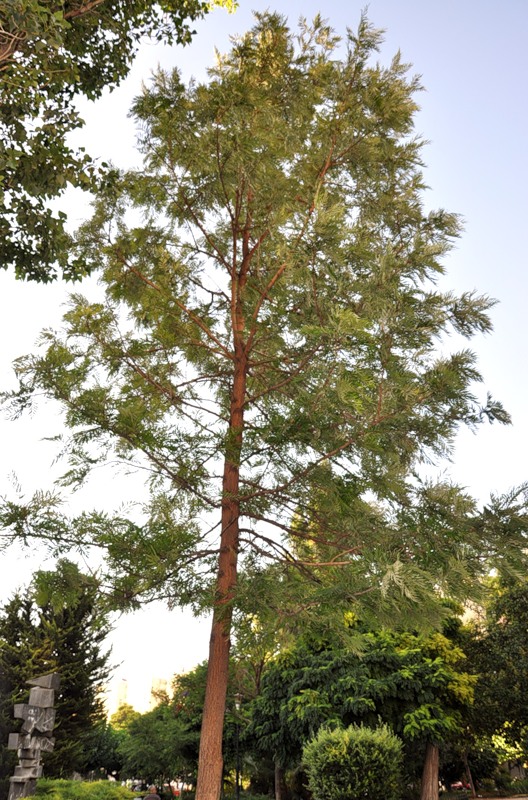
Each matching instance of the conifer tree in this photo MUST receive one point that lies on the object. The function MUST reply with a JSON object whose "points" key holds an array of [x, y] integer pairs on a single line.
{"points": [[268, 348]]}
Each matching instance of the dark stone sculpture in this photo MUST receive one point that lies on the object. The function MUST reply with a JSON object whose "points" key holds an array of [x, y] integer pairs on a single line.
{"points": [[35, 737]]}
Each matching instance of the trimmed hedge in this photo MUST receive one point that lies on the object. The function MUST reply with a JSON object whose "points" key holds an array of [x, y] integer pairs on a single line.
{"points": [[82, 790], [353, 764]]}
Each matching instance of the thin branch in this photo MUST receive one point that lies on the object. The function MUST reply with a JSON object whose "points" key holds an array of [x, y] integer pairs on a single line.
{"points": [[203, 230], [288, 379], [221, 176], [197, 321], [85, 8], [279, 272]]}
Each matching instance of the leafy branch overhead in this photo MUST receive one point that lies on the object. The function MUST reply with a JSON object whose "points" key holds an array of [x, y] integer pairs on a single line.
{"points": [[50, 53]]}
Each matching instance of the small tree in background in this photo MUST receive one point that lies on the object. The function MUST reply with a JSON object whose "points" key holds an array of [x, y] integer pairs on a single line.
{"points": [[154, 746], [356, 762]]}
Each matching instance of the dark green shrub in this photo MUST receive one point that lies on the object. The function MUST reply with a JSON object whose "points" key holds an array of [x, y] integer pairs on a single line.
{"points": [[82, 790], [354, 763], [519, 786], [487, 786], [503, 782]]}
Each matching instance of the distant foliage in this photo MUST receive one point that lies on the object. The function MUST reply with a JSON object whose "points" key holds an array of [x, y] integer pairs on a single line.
{"points": [[354, 763], [156, 746]]}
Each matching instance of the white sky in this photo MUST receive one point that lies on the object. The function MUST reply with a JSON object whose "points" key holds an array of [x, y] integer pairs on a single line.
{"points": [[472, 57]]}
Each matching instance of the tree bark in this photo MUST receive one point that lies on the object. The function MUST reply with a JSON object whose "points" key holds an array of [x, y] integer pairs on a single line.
{"points": [[280, 784], [210, 760], [429, 790], [469, 774]]}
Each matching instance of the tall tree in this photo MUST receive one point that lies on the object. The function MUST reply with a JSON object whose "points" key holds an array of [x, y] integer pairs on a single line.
{"points": [[58, 627], [497, 647], [50, 53], [267, 349]]}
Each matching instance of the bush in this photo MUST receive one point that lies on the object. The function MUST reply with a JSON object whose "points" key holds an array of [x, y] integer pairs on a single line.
{"points": [[519, 786], [487, 786], [82, 790], [503, 782], [354, 763]]}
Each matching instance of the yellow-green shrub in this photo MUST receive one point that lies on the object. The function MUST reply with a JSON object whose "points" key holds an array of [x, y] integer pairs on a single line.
{"points": [[82, 790], [354, 763]]}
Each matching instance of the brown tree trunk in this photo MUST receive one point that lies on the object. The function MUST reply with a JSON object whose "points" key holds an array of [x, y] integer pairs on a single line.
{"points": [[469, 776], [429, 789], [280, 783], [210, 761]]}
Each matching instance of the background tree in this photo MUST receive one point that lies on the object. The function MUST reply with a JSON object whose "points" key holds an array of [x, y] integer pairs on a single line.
{"points": [[497, 647], [267, 349], [187, 703], [58, 626], [122, 718], [102, 751], [154, 747], [50, 53], [414, 684]]}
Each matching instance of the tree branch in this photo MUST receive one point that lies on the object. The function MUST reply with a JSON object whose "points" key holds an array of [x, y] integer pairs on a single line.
{"points": [[84, 8]]}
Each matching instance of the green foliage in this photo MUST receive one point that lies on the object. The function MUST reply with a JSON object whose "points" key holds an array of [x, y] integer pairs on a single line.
{"points": [[123, 717], [155, 746], [480, 754], [497, 648], [508, 786], [102, 750], [188, 696], [503, 782], [51, 52], [356, 762], [80, 790], [414, 684]]}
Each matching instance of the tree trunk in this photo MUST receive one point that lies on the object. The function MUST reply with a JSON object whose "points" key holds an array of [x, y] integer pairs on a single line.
{"points": [[210, 761], [280, 783], [429, 789], [469, 776]]}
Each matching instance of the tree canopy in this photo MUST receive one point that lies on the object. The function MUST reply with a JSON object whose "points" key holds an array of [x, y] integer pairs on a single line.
{"points": [[271, 349], [498, 648], [417, 685]]}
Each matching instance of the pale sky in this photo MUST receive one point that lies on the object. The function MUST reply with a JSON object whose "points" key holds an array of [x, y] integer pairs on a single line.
{"points": [[471, 55]]}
